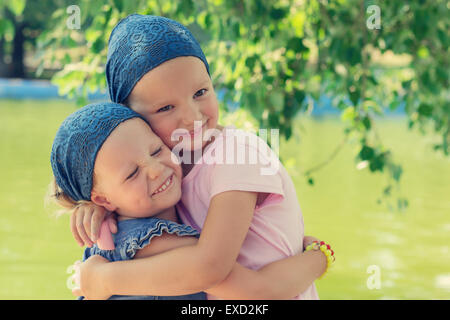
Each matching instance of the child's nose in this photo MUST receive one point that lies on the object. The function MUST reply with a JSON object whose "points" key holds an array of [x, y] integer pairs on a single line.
{"points": [[154, 169], [191, 113]]}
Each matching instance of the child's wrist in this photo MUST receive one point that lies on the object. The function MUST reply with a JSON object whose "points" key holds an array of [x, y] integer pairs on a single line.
{"points": [[105, 278], [326, 250]]}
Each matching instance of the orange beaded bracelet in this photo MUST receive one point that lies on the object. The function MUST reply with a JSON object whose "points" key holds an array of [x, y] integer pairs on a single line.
{"points": [[326, 249]]}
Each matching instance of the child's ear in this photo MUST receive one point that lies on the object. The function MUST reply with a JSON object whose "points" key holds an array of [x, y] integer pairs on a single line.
{"points": [[102, 201]]}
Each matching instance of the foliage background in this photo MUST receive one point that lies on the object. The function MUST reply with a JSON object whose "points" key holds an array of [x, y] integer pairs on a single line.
{"points": [[274, 58]]}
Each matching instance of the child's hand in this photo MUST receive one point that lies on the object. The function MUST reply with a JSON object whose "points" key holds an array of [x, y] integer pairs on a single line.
{"points": [[307, 240], [88, 281], [85, 223]]}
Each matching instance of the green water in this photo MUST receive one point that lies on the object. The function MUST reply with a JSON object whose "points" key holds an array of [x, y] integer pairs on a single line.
{"points": [[409, 249]]}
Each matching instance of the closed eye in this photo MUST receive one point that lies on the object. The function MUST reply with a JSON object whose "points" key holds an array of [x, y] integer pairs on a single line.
{"points": [[132, 174], [156, 152]]}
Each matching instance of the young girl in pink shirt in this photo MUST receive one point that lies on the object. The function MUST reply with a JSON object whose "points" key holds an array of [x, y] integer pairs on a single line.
{"points": [[247, 211]]}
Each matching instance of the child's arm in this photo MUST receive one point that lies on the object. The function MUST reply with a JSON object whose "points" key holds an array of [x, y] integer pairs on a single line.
{"points": [[282, 279], [187, 269], [195, 267]]}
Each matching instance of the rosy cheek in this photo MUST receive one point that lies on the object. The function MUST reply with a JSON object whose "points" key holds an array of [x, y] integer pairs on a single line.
{"points": [[166, 137], [213, 109], [162, 130]]}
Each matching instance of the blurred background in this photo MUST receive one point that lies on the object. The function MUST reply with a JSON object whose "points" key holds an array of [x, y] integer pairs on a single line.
{"points": [[358, 89]]}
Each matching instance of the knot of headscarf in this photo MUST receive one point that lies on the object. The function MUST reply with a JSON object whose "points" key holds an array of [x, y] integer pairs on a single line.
{"points": [[77, 142], [140, 43]]}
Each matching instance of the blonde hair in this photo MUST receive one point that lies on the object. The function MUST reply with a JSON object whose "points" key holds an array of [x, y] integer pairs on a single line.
{"points": [[55, 195]]}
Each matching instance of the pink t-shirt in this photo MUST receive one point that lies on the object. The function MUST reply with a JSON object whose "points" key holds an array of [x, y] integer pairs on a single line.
{"points": [[242, 161]]}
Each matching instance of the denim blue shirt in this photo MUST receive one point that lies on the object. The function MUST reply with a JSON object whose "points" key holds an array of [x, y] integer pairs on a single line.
{"points": [[135, 234]]}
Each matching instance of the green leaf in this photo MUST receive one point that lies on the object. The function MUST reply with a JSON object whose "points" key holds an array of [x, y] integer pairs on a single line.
{"points": [[354, 96], [287, 132], [396, 172], [98, 45], [296, 44], [274, 120], [118, 4], [423, 52], [366, 122], [252, 101], [298, 22], [278, 13], [366, 153], [237, 30], [342, 105], [277, 99], [250, 62], [425, 110], [394, 105], [7, 28], [81, 100], [186, 7], [377, 163], [406, 84], [68, 42], [67, 59], [16, 6], [299, 96], [353, 55], [348, 114]]}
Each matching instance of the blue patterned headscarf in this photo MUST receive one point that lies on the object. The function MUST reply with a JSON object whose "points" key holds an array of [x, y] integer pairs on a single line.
{"points": [[139, 44], [78, 141]]}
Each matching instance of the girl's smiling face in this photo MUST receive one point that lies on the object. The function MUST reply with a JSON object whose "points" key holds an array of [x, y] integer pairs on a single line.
{"points": [[134, 172], [173, 96]]}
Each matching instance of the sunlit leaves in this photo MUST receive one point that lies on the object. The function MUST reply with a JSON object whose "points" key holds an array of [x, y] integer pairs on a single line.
{"points": [[7, 28], [16, 6], [271, 57]]}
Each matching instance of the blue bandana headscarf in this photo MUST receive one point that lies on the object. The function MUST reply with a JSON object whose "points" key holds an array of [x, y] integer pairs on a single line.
{"points": [[139, 44], [78, 141]]}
